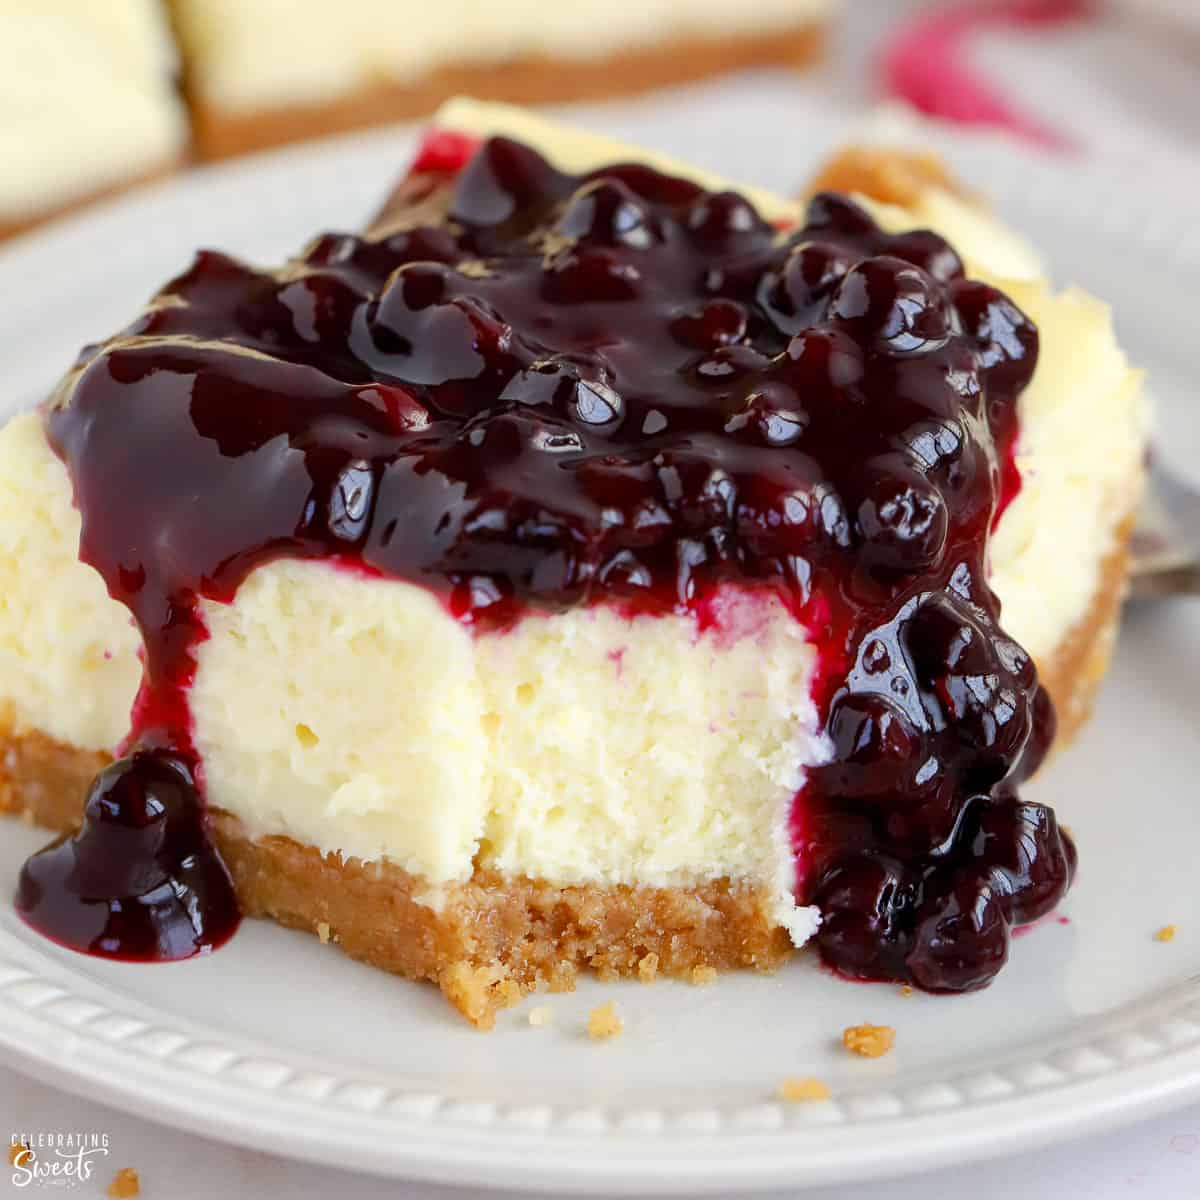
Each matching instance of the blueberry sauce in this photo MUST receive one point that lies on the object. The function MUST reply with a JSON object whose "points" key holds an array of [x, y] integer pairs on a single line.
{"points": [[525, 389], [140, 880]]}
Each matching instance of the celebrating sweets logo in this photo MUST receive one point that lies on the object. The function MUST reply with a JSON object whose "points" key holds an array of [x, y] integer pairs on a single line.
{"points": [[59, 1160]]}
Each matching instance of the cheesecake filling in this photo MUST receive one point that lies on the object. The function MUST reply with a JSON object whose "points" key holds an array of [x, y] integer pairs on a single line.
{"points": [[581, 747], [89, 101], [659, 519]]}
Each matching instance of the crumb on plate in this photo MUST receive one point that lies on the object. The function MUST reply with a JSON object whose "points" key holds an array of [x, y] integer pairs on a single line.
{"points": [[1166, 934], [702, 976], [478, 992], [796, 1089], [18, 1152], [125, 1184], [603, 1022], [323, 931], [871, 1041], [543, 1014], [906, 990]]}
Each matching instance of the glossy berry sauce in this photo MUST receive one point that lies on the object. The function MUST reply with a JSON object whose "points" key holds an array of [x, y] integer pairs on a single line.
{"points": [[140, 880], [529, 390]]}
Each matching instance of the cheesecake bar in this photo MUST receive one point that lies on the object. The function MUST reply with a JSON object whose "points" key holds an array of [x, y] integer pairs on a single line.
{"points": [[260, 72], [87, 103], [589, 564]]}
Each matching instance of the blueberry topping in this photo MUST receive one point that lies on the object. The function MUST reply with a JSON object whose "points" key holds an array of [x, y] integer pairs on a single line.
{"points": [[528, 390]]}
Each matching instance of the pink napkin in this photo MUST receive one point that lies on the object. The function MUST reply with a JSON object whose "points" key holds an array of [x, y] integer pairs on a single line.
{"points": [[927, 64]]}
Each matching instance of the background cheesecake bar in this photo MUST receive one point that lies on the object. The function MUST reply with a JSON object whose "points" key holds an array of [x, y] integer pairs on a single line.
{"points": [[415, 735], [259, 72], [88, 103]]}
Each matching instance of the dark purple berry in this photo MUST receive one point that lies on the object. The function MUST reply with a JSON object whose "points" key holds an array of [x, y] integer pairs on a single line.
{"points": [[962, 933], [876, 749], [715, 323], [833, 213], [502, 179], [720, 217], [607, 213], [797, 295], [902, 520], [868, 906], [140, 880], [1023, 843], [929, 251], [591, 276], [772, 414], [1006, 338], [895, 305]]}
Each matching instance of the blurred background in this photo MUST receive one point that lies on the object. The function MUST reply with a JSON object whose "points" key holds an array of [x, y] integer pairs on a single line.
{"points": [[99, 95]]}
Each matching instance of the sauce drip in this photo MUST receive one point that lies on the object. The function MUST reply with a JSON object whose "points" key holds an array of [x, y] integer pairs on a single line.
{"points": [[140, 880]]}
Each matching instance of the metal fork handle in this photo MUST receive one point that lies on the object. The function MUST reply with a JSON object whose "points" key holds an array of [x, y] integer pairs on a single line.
{"points": [[1182, 581], [1166, 542]]}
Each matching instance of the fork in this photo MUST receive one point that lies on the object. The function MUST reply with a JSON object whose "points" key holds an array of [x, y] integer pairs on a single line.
{"points": [[1166, 538]]}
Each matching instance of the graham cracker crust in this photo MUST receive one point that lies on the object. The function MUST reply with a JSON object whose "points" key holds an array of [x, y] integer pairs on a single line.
{"points": [[888, 175], [219, 133], [495, 939]]}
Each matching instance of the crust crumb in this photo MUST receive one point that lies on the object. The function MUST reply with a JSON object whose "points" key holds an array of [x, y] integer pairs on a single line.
{"points": [[906, 989], [871, 1041], [648, 968], [702, 976], [796, 1089], [543, 1014], [478, 992], [124, 1185], [1166, 934], [508, 993], [603, 1022], [323, 931], [889, 175], [19, 1152]]}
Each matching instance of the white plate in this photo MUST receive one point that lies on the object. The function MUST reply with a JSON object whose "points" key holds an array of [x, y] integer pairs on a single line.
{"points": [[280, 1043]]}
